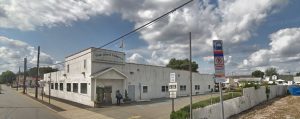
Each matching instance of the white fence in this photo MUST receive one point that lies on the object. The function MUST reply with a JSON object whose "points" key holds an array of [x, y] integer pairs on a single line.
{"points": [[250, 98]]}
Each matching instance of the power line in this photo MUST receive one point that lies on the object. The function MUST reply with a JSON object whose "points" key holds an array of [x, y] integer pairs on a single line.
{"points": [[129, 33]]}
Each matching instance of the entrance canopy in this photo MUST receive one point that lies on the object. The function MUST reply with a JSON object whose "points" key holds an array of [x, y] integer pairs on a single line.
{"points": [[109, 73]]}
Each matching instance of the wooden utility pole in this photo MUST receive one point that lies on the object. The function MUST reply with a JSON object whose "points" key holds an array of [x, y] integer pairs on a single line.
{"points": [[37, 73], [24, 80], [191, 83], [18, 79]]}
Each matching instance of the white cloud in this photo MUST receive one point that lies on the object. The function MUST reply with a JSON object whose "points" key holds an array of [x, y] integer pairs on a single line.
{"points": [[13, 52], [284, 51], [233, 21], [136, 58]]}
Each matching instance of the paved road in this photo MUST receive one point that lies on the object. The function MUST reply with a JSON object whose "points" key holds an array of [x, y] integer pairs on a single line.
{"points": [[156, 109], [14, 105]]}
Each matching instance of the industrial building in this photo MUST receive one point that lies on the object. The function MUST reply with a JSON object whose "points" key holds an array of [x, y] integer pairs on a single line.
{"points": [[94, 75]]}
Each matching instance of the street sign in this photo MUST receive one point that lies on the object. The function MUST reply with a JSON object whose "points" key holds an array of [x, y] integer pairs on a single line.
{"points": [[172, 77], [172, 94], [219, 61], [173, 87]]}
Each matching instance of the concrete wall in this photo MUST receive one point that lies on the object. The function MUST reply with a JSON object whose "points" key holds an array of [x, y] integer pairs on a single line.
{"points": [[277, 90], [250, 98]]}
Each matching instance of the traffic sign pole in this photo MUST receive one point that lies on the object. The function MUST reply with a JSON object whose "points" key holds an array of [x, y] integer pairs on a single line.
{"points": [[221, 100], [172, 104]]}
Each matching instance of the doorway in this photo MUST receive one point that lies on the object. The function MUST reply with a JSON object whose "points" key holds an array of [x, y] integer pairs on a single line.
{"points": [[104, 95], [131, 92]]}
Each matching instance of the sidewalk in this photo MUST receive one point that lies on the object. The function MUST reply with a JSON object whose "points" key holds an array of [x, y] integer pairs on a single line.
{"points": [[71, 112]]}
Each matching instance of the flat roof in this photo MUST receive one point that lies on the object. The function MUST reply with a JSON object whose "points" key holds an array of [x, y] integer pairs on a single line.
{"points": [[92, 49]]}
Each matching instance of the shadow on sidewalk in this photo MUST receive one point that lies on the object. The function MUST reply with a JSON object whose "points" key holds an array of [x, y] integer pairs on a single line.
{"points": [[58, 109]]}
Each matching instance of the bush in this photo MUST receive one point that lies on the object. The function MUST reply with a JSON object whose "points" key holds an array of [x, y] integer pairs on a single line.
{"points": [[183, 113]]}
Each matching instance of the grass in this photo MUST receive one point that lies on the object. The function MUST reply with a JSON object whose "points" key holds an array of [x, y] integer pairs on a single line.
{"points": [[183, 113]]}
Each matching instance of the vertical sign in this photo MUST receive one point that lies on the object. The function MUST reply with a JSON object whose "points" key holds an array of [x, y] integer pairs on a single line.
{"points": [[219, 61], [172, 77]]}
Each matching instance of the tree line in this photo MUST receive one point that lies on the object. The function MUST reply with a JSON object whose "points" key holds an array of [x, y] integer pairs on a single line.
{"points": [[9, 76]]}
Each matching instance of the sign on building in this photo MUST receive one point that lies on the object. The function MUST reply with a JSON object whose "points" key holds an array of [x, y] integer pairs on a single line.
{"points": [[219, 61], [102, 55]]}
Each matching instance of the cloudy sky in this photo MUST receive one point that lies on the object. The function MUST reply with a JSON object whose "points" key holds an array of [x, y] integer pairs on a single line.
{"points": [[257, 34]]}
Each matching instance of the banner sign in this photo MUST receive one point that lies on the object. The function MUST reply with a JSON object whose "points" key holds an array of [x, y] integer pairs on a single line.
{"points": [[219, 61]]}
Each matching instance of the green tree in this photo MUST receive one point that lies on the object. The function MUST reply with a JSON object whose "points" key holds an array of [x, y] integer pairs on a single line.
{"points": [[7, 77], [42, 70], [271, 71], [182, 64], [298, 74], [258, 73]]}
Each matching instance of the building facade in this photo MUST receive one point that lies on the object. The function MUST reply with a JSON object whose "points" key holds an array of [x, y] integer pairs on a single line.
{"points": [[94, 75]]}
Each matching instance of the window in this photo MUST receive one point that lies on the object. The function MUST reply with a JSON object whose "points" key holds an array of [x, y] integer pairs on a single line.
{"points": [[61, 86], [164, 88], [208, 86], [75, 87], [182, 87], [84, 64], [52, 86], [197, 87], [145, 89], [68, 68], [83, 88], [69, 87], [56, 86]]}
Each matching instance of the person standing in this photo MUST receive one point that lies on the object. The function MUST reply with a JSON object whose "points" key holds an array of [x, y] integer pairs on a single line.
{"points": [[119, 97]]}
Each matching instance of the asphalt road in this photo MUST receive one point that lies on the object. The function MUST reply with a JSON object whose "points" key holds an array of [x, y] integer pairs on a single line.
{"points": [[14, 105]]}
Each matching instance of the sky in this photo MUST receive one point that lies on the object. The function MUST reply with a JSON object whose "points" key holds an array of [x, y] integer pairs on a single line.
{"points": [[257, 34]]}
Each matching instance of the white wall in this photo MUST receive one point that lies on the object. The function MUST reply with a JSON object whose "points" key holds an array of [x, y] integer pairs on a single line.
{"points": [[57, 77], [147, 75], [250, 98]]}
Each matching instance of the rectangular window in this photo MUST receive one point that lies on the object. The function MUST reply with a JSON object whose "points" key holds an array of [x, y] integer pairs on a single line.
{"points": [[145, 89], [83, 88], [164, 88], [56, 86], [197, 87], [75, 87], [52, 86], [61, 86], [69, 87], [208, 86], [84, 64], [68, 68], [182, 87]]}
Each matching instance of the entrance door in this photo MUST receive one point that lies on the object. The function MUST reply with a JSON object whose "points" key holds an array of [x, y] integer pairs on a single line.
{"points": [[107, 94], [131, 92], [104, 95]]}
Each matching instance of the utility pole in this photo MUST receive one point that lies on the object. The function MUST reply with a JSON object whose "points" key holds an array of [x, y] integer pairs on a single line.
{"points": [[191, 83], [24, 80], [50, 84], [18, 79], [37, 73]]}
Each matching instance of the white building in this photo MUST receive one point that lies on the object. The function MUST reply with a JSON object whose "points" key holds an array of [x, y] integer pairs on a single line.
{"points": [[96, 74]]}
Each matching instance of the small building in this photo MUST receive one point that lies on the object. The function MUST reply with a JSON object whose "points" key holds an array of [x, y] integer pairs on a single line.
{"points": [[94, 75], [297, 79], [30, 81]]}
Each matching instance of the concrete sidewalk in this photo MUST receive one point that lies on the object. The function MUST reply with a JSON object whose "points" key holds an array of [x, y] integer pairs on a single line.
{"points": [[71, 112]]}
